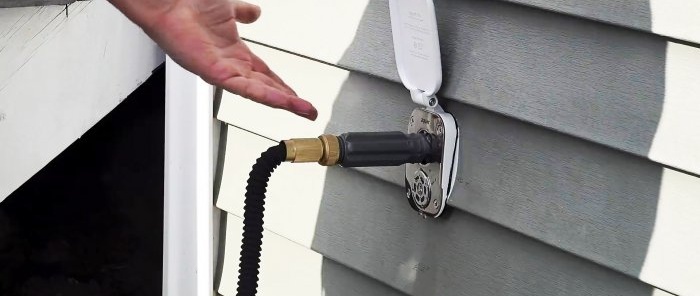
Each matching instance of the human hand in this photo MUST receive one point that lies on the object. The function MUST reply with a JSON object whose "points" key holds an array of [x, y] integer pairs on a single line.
{"points": [[201, 36]]}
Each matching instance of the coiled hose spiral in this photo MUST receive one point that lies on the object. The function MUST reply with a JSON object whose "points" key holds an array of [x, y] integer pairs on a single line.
{"points": [[253, 218], [347, 150]]}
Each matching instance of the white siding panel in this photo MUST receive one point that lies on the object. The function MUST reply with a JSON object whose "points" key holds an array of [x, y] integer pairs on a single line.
{"points": [[677, 138], [674, 242], [323, 27], [288, 268], [676, 18]]}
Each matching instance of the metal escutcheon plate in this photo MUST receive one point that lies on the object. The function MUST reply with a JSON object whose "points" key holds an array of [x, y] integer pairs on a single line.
{"points": [[428, 185]]}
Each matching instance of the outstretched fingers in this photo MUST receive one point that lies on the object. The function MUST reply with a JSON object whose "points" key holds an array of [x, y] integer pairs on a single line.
{"points": [[267, 95], [271, 82]]}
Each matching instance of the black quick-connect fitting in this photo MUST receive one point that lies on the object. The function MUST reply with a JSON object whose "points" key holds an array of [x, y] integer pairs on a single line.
{"points": [[347, 150], [387, 149]]}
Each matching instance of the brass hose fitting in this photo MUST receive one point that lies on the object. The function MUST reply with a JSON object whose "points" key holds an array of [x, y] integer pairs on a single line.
{"points": [[325, 150]]}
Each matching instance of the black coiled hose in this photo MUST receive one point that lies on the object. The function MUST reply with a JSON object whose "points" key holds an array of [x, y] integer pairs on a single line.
{"points": [[353, 150], [253, 218]]}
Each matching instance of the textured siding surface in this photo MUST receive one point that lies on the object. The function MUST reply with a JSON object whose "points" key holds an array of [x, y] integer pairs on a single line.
{"points": [[579, 155], [672, 18]]}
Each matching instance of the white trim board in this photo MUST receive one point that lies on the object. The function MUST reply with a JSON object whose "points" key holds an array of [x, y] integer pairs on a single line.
{"points": [[23, 30], [22, 3], [60, 83], [189, 213]]}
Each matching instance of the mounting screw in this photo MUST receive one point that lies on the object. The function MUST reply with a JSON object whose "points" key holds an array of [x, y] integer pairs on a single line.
{"points": [[435, 203], [432, 102]]}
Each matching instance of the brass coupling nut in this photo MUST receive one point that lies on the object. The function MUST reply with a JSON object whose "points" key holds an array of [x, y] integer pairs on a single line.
{"points": [[325, 150]]}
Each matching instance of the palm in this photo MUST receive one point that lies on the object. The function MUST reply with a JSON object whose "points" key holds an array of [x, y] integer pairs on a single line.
{"points": [[202, 37]]}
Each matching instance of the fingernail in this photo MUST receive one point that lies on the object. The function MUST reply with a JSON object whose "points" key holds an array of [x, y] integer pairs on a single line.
{"points": [[305, 109], [311, 115]]}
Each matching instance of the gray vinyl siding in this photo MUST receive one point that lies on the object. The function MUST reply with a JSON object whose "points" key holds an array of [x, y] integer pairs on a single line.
{"points": [[339, 280], [628, 13], [371, 228], [559, 104], [579, 196], [595, 81]]}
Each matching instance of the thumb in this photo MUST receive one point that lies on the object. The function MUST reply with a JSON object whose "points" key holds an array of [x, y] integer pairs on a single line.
{"points": [[245, 12]]}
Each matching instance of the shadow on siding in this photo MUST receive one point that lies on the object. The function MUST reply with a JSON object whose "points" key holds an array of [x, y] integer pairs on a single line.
{"points": [[579, 196]]}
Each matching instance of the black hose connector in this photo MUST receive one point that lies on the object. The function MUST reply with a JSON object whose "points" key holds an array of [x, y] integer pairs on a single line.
{"points": [[388, 149], [253, 218]]}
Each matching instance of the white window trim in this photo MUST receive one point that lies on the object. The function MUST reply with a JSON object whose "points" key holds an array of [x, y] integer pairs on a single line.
{"points": [[188, 234]]}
